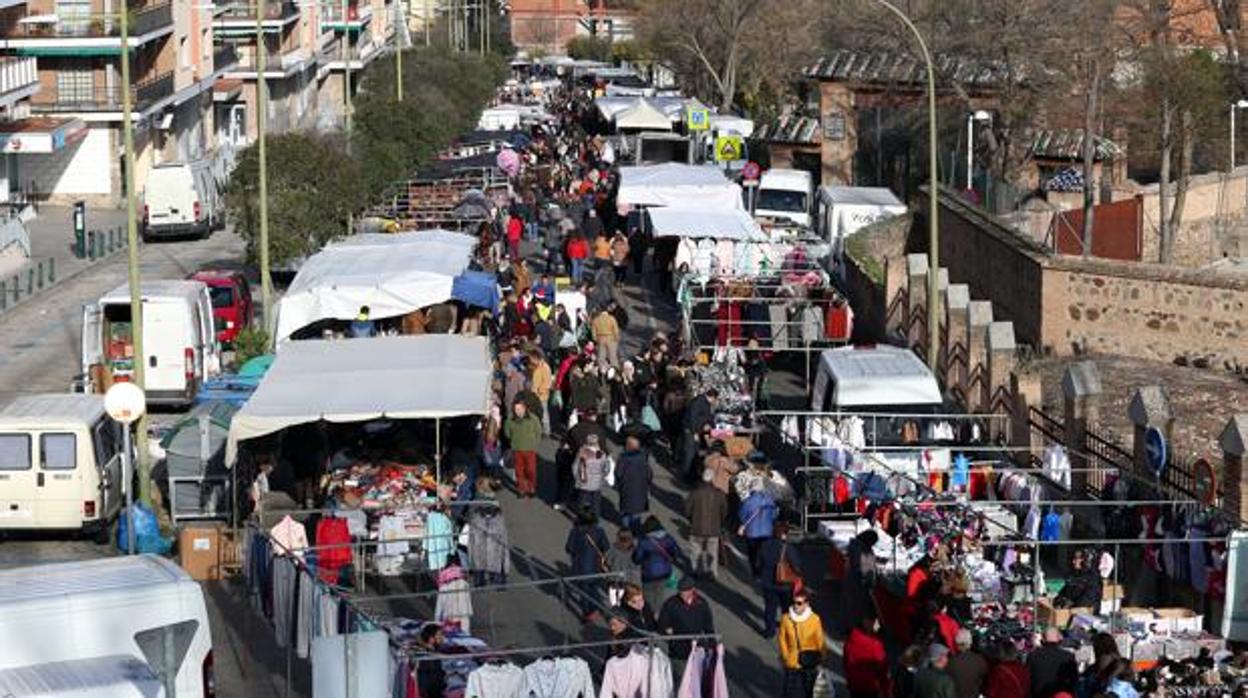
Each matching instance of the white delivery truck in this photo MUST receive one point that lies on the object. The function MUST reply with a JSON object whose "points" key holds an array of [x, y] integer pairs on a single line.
{"points": [[121, 626], [785, 194], [60, 465], [179, 343], [843, 211], [183, 199]]}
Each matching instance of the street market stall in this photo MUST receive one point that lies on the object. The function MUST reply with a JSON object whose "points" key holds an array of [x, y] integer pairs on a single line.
{"points": [[391, 274], [701, 187]]}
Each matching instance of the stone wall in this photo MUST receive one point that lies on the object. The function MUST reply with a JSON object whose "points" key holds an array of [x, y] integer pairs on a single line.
{"points": [[1068, 305], [1145, 310], [1214, 200], [872, 274]]}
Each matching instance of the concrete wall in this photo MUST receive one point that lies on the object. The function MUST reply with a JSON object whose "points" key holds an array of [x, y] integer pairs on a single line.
{"points": [[1213, 199]]}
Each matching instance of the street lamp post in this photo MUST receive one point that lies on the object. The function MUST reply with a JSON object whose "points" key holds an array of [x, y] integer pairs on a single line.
{"points": [[262, 173], [933, 234], [982, 117], [1241, 104]]}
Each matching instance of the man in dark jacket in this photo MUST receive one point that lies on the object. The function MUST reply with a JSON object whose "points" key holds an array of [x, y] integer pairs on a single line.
{"points": [[1083, 588], [586, 546], [707, 507], [775, 591], [968, 667], [632, 478], [699, 416], [686, 613], [1053, 668], [933, 681]]}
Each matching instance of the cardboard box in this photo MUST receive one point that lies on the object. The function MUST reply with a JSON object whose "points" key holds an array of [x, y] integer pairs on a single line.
{"points": [[1048, 614], [200, 550], [1180, 620]]}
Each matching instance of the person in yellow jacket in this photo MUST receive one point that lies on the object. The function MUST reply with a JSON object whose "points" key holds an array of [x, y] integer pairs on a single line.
{"points": [[801, 647], [606, 332], [541, 380]]}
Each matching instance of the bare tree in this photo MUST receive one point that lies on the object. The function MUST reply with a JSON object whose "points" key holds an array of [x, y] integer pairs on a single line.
{"points": [[1229, 15]]}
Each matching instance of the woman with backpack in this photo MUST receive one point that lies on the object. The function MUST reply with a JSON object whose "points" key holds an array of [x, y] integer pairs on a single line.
{"points": [[656, 552]]}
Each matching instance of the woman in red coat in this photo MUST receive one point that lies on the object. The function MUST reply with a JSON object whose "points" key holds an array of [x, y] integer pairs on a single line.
{"points": [[515, 230], [866, 665], [1008, 677]]}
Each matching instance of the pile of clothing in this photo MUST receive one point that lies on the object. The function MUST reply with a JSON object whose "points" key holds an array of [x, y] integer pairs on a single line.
{"points": [[390, 486]]}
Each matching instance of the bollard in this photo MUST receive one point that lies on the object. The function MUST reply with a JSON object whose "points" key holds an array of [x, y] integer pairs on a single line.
{"points": [[100, 241], [91, 244], [39, 276], [30, 281], [17, 289], [4, 296], [51, 271]]}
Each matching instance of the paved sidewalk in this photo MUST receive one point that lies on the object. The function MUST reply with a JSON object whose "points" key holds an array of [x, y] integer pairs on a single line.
{"points": [[52, 235]]}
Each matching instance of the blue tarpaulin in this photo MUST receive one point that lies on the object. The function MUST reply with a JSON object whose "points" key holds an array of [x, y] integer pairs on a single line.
{"points": [[478, 288]]}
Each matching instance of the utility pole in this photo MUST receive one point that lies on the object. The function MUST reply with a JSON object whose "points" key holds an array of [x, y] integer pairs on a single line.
{"points": [[488, 18], [398, 49], [132, 240], [262, 103], [346, 75], [428, 20]]}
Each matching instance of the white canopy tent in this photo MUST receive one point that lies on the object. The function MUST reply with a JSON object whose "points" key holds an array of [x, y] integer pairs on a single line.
{"points": [[733, 224], [355, 380], [702, 187], [392, 274], [643, 116]]}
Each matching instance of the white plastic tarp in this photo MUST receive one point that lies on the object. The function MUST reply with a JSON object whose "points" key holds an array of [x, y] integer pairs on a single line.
{"points": [[643, 116], [731, 224], [849, 209], [392, 274], [701, 187], [355, 380]]}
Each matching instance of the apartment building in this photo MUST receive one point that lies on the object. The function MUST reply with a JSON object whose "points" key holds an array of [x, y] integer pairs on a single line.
{"points": [[364, 30], [77, 108]]}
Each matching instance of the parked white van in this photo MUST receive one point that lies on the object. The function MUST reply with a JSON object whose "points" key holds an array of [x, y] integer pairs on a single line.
{"points": [[60, 465], [182, 199], [98, 616], [878, 379], [179, 342]]}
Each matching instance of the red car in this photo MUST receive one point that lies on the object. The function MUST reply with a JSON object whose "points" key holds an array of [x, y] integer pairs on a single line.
{"points": [[232, 309]]}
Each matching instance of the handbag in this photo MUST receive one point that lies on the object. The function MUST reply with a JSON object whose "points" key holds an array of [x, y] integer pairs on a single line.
{"points": [[785, 572], [806, 659]]}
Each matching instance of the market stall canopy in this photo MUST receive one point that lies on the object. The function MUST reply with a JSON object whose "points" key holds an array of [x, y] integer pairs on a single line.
{"points": [[702, 187], [393, 274], [355, 380], [732, 224], [643, 116]]}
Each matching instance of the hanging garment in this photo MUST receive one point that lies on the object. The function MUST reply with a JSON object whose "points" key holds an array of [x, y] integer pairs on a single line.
{"points": [[1198, 559], [757, 323], [839, 322], [326, 613], [704, 259], [704, 674], [305, 614], [748, 259], [495, 681], [454, 603], [686, 250], [641, 672], [960, 474], [812, 325], [852, 432], [778, 316], [1056, 465], [560, 677], [289, 536], [724, 258], [285, 597], [1051, 527], [332, 531], [1031, 524], [729, 331], [439, 540]]}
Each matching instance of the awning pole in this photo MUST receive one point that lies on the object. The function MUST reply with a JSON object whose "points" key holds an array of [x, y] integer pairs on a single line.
{"points": [[437, 445]]}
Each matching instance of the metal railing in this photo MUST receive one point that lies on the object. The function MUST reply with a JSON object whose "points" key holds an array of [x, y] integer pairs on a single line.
{"points": [[106, 97], [17, 72], [273, 11], [93, 25]]}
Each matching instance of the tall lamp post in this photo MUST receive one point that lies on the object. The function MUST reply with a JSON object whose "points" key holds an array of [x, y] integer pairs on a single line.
{"points": [[262, 99], [982, 117], [1241, 104], [933, 234]]}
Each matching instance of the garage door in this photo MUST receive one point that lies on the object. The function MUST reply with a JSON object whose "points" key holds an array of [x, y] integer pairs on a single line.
{"points": [[80, 168]]}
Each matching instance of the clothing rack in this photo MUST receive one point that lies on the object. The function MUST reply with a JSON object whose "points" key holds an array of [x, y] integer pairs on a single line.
{"points": [[564, 648], [487, 588]]}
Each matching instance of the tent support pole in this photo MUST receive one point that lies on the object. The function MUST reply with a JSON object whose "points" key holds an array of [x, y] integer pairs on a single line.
{"points": [[437, 447]]}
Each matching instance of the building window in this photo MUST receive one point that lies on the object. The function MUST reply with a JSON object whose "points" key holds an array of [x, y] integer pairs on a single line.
{"points": [[75, 85]]}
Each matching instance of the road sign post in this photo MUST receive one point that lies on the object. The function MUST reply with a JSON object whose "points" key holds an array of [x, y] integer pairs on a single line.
{"points": [[729, 148], [126, 403]]}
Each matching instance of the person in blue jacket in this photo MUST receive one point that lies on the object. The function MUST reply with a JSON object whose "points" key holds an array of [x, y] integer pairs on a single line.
{"points": [[657, 553], [757, 515]]}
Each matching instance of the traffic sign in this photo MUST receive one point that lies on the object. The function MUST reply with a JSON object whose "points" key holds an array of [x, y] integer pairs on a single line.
{"points": [[1155, 450], [751, 170], [729, 148], [699, 120]]}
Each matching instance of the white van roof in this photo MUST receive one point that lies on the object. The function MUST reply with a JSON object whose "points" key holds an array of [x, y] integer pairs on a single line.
{"points": [[112, 574], [880, 375], [159, 289], [859, 196], [62, 407], [111, 676], [795, 180]]}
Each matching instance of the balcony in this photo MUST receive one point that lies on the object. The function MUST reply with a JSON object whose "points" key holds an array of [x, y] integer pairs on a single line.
{"points": [[146, 22], [277, 64], [277, 15], [18, 78], [357, 16], [103, 98]]}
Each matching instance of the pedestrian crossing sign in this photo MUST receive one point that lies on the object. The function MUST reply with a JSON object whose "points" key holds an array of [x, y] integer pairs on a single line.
{"points": [[699, 119], [729, 148]]}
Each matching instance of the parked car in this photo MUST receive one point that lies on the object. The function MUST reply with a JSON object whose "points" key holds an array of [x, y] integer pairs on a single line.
{"points": [[179, 345], [108, 627], [60, 456], [182, 199], [232, 307]]}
